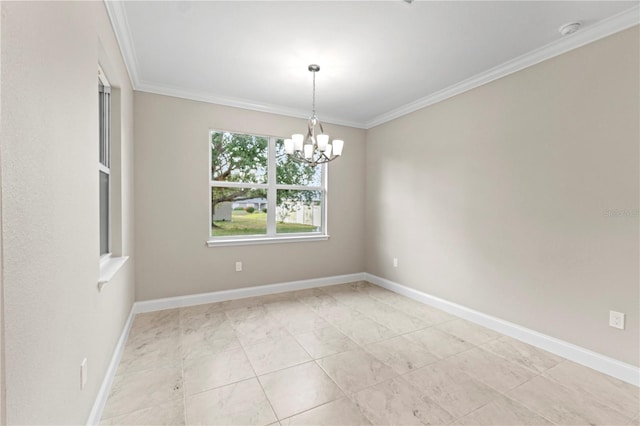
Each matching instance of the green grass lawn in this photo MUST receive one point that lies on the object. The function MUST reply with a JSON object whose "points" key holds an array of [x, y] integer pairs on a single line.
{"points": [[243, 223]]}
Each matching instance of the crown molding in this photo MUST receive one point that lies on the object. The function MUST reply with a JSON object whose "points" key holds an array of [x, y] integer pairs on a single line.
{"points": [[120, 25], [601, 29], [238, 103]]}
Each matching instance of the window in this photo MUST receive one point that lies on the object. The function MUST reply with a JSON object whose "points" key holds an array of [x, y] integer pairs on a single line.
{"points": [[109, 186], [104, 165], [258, 194]]}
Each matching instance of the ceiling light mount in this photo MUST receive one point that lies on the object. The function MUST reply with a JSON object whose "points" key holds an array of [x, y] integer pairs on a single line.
{"points": [[315, 148], [570, 28]]}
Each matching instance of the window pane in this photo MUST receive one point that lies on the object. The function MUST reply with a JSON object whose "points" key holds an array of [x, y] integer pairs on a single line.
{"points": [[104, 119], [104, 213], [298, 211], [238, 211], [238, 158], [291, 173]]}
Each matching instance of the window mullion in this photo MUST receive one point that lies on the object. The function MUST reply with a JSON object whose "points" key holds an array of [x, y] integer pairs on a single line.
{"points": [[271, 191], [226, 184], [300, 187]]}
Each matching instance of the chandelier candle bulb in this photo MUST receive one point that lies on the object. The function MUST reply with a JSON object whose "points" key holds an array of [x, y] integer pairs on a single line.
{"points": [[327, 152], [288, 146], [323, 140], [337, 147], [298, 139], [308, 151]]}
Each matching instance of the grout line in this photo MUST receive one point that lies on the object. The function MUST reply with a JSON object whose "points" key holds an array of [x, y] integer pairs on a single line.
{"points": [[291, 366], [506, 395], [579, 391], [313, 408], [255, 374], [538, 373], [532, 409], [131, 335]]}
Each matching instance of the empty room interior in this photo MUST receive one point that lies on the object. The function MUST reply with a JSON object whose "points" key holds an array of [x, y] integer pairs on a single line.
{"points": [[320, 212]]}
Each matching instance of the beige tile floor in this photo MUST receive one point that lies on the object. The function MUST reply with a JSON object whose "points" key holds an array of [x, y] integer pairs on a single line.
{"points": [[349, 354]]}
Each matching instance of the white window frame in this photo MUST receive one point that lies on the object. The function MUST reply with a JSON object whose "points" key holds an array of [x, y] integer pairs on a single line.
{"points": [[112, 261], [104, 163], [272, 187]]}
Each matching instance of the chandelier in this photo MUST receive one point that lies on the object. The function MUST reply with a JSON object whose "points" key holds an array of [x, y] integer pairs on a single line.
{"points": [[315, 148]]}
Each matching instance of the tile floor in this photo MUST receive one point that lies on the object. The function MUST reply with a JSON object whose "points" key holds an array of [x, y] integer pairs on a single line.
{"points": [[352, 354]]}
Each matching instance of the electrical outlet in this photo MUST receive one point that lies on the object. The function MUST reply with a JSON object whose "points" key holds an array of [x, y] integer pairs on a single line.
{"points": [[238, 266], [616, 319], [83, 373], [395, 262]]}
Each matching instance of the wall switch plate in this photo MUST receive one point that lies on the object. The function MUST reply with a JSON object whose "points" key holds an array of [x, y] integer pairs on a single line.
{"points": [[83, 373], [616, 319], [395, 262], [238, 266]]}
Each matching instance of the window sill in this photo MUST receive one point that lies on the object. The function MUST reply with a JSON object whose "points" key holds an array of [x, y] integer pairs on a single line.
{"points": [[221, 242], [109, 268]]}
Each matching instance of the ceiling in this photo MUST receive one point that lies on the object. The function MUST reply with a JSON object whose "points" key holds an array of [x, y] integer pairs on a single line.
{"points": [[378, 59]]}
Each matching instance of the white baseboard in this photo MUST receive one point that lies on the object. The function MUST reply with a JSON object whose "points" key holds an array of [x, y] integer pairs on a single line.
{"points": [[241, 293], [103, 393], [602, 363], [594, 360]]}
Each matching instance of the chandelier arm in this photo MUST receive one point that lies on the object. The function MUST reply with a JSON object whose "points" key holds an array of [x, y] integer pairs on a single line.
{"points": [[323, 159], [297, 159]]}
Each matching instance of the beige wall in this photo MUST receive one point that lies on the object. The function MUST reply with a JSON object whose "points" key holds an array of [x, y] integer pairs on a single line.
{"points": [[172, 204], [497, 199], [54, 314]]}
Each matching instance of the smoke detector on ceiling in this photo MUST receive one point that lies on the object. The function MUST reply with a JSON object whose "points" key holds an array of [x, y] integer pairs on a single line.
{"points": [[570, 28]]}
